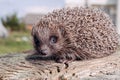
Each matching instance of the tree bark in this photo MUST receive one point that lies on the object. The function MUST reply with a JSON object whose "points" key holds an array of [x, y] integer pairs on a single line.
{"points": [[29, 67]]}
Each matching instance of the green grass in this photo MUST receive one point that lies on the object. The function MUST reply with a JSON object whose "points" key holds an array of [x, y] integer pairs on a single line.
{"points": [[16, 42]]}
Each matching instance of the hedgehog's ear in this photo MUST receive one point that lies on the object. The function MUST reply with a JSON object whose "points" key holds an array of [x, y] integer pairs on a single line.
{"points": [[62, 30]]}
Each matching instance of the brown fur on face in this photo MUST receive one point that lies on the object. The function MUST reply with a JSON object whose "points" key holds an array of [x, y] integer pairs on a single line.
{"points": [[42, 33]]}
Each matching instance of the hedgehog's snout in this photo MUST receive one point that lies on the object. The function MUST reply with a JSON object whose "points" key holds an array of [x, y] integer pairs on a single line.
{"points": [[45, 51]]}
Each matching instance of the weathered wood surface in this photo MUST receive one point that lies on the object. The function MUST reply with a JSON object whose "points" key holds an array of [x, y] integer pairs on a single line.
{"points": [[21, 67]]}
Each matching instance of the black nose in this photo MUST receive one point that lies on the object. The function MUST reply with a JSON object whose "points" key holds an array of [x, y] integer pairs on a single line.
{"points": [[43, 52]]}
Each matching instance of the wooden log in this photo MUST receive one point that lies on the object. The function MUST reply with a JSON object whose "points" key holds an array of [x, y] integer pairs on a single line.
{"points": [[26, 67]]}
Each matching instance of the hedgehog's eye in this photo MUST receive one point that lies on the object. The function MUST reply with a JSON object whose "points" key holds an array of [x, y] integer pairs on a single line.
{"points": [[36, 41], [53, 39]]}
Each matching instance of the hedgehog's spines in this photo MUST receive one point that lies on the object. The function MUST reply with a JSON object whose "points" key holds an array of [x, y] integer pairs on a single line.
{"points": [[89, 30]]}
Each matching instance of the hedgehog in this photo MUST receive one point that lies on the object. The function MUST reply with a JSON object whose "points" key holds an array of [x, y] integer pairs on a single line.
{"points": [[77, 33]]}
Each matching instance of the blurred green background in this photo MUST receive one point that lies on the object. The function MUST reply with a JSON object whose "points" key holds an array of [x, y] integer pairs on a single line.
{"points": [[17, 39], [16, 42]]}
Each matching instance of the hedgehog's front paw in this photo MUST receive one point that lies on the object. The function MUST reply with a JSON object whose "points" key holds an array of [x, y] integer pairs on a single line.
{"points": [[62, 60], [59, 60]]}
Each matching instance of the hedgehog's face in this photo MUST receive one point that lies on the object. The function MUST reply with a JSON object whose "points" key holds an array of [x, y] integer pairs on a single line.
{"points": [[47, 41]]}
